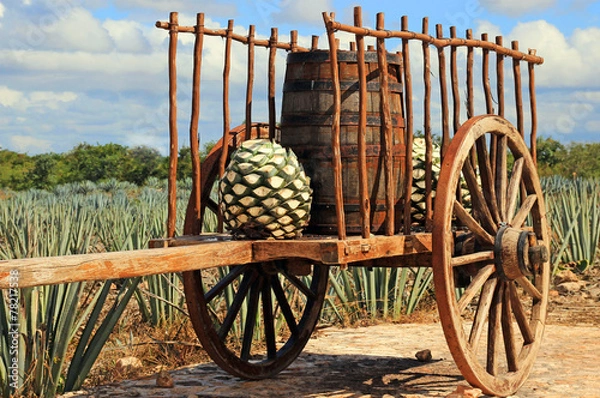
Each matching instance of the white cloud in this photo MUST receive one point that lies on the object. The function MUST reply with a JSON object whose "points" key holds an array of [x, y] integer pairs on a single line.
{"points": [[66, 28], [515, 8], [97, 66], [569, 61], [489, 28], [127, 36], [568, 113], [79, 31], [10, 98], [51, 100], [214, 8], [23, 143], [568, 87], [291, 11], [2, 9]]}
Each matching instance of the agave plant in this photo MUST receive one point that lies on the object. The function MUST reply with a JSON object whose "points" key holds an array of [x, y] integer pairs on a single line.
{"points": [[375, 293], [573, 207], [76, 218]]}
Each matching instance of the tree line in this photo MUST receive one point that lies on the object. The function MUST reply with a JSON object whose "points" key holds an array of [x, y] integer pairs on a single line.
{"points": [[86, 162], [571, 160]]}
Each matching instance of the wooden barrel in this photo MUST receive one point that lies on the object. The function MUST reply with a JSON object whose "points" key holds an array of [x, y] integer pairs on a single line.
{"points": [[306, 120]]}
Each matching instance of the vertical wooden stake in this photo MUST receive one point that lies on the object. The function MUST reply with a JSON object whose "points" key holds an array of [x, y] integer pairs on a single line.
{"points": [[272, 58], [489, 106], [455, 83], [196, 227], [293, 41], [173, 135], [455, 96], [518, 92], [500, 78], [335, 129], [471, 92], [485, 76], [443, 92], [408, 94], [250, 81], [388, 140], [533, 109], [427, 127], [314, 43], [365, 205], [225, 146], [470, 86]]}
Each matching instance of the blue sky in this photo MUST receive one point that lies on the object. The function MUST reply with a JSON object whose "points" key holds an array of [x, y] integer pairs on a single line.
{"points": [[93, 71]]}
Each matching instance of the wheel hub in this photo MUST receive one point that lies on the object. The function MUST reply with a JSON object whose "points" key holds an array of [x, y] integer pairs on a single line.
{"points": [[518, 253]]}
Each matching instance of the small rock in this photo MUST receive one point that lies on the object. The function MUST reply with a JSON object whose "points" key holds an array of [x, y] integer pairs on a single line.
{"points": [[569, 287], [423, 356], [164, 379], [127, 365], [594, 292], [463, 391], [565, 276], [553, 293]]}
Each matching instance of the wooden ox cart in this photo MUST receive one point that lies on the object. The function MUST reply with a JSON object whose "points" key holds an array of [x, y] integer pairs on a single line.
{"points": [[484, 231]]}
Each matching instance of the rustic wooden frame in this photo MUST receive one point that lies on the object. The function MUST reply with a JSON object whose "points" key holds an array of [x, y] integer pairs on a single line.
{"points": [[144, 262]]}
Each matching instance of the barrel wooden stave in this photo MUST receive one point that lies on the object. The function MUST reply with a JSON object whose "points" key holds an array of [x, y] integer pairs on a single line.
{"points": [[307, 111]]}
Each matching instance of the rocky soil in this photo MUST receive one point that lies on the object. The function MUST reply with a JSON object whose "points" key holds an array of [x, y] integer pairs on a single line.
{"points": [[381, 361]]}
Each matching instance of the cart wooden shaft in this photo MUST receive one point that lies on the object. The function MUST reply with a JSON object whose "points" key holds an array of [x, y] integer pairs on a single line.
{"points": [[189, 253]]}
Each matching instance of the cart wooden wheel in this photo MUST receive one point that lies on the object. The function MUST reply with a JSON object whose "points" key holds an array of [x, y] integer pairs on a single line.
{"points": [[253, 319], [490, 255]]}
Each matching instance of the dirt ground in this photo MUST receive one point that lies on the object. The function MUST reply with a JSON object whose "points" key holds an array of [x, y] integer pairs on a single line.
{"points": [[379, 360]]}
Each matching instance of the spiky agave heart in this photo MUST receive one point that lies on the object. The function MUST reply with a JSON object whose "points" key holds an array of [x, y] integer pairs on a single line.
{"points": [[417, 199], [264, 192]]}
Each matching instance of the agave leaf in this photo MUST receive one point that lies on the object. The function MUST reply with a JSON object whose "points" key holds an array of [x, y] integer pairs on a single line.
{"points": [[76, 375]]}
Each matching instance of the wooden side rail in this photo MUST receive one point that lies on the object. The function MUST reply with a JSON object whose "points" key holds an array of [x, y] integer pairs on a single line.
{"points": [[195, 252], [125, 264]]}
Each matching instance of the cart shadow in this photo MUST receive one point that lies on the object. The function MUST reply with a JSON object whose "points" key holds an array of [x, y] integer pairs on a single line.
{"points": [[318, 375]]}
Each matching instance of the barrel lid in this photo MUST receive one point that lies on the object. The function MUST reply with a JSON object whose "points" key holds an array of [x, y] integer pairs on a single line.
{"points": [[321, 56]]}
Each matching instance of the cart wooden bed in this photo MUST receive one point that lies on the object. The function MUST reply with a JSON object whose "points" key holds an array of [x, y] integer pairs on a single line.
{"points": [[489, 256]]}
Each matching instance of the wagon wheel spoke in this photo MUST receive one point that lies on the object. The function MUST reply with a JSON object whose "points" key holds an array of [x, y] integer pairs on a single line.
{"points": [[508, 332], [520, 315], [514, 188], [472, 224], [294, 280], [493, 153], [478, 281], [251, 318], [285, 306], [226, 281], [472, 258], [478, 201], [213, 206], [494, 326], [485, 302], [236, 306], [529, 288], [269, 322], [487, 177], [521, 216], [501, 178], [491, 288]]}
